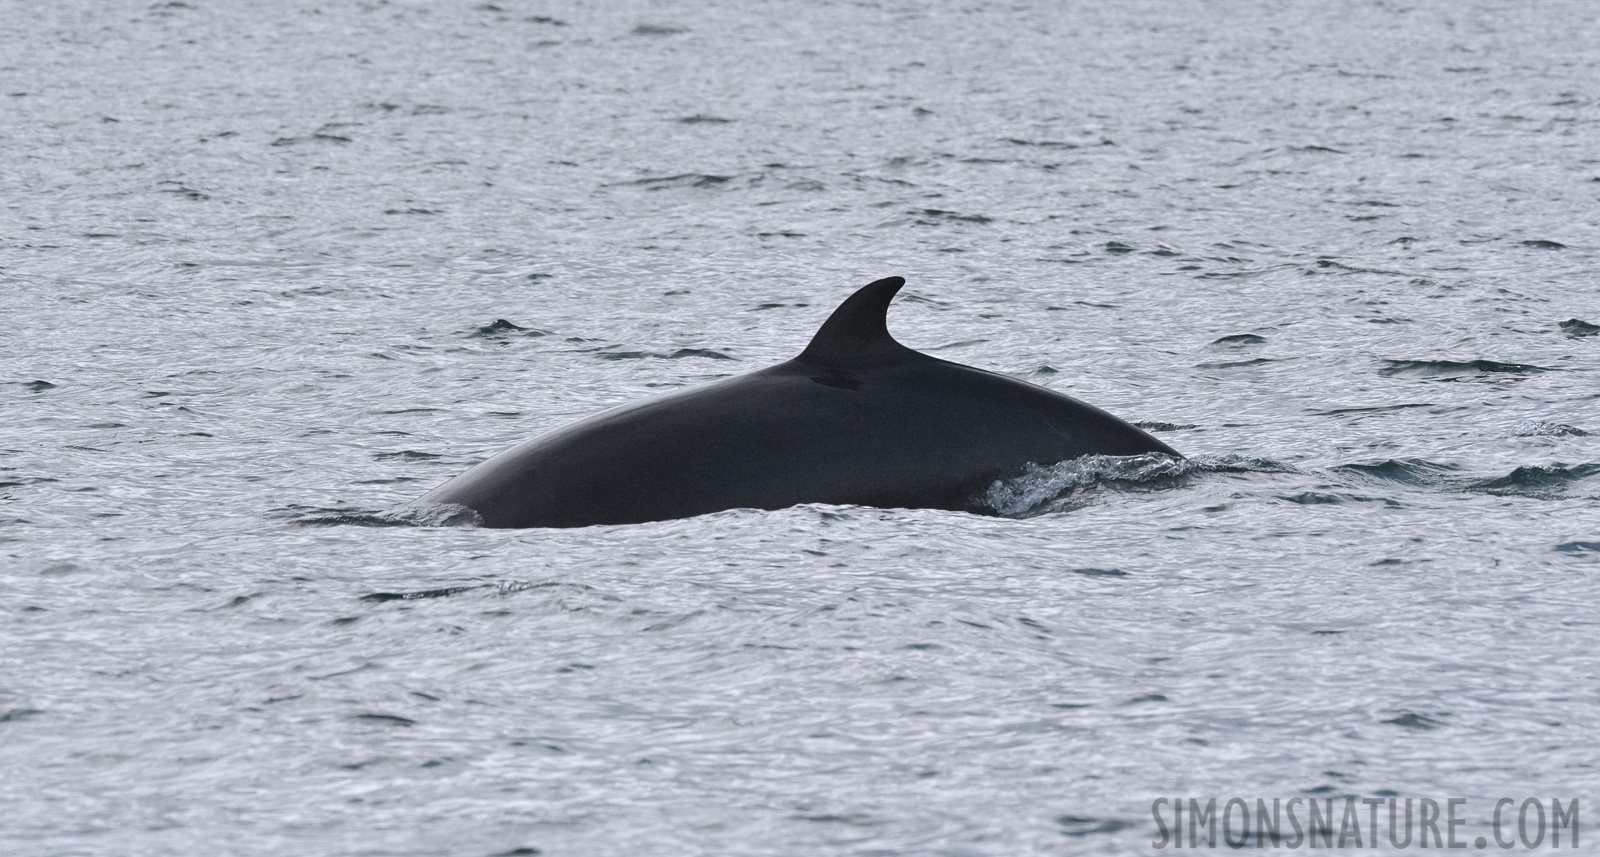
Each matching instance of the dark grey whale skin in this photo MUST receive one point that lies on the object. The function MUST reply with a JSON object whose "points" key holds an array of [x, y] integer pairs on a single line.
{"points": [[856, 419]]}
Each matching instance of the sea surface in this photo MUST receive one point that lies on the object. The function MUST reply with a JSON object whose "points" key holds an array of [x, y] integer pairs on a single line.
{"points": [[271, 271]]}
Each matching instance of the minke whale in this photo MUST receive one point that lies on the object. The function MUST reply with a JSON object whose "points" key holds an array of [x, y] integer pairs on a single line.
{"points": [[856, 419]]}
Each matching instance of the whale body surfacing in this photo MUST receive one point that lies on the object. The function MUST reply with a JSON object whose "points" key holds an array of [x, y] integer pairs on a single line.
{"points": [[856, 419]]}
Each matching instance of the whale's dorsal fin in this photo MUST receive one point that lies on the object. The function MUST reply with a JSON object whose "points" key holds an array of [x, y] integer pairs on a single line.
{"points": [[858, 328]]}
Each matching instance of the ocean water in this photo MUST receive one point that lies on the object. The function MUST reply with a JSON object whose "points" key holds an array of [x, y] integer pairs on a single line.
{"points": [[269, 272]]}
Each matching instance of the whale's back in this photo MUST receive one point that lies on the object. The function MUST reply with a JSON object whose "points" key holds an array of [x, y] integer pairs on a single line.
{"points": [[892, 428]]}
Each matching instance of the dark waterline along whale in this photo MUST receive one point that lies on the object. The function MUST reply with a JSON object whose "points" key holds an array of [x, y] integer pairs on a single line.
{"points": [[856, 419]]}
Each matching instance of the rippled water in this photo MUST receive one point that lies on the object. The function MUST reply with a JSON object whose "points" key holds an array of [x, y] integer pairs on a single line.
{"points": [[264, 266]]}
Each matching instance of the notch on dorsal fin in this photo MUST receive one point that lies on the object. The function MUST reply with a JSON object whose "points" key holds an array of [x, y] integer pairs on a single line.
{"points": [[858, 328]]}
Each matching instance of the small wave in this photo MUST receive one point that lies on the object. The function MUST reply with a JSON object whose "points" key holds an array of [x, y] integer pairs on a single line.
{"points": [[1075, 825], [1538, 428], [1537, 480], [180, 189], [1411, 720], [1240, 464], [387, 719], [1037, 490], [502, 327], [681, 180], [1373, 409], [1160, 426], [941, 215], [445, 592], [1411, 471], [1324, 265], [1320, 498], [1099, 572], [349, 519], [1541, 481], [1457, 368], [1043, 144], [657, 355], [1577, 327], [437, 515], [415, 515], [1237, 340], [317, 137], [1313, 498]]}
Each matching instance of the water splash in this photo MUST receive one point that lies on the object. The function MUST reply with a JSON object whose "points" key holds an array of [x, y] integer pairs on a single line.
{"points": [[1038, 489]]}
